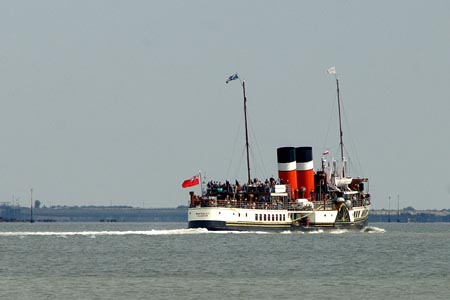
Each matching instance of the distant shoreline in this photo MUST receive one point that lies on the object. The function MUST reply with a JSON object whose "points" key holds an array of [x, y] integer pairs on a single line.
{"points": [[179, 214], [410, 215]]}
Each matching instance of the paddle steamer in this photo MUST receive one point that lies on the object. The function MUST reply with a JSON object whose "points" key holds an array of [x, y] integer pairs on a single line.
{"points": [[300, 199]]}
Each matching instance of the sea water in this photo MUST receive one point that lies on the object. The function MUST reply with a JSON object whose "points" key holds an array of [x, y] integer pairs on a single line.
{"points": [[169, 261]]}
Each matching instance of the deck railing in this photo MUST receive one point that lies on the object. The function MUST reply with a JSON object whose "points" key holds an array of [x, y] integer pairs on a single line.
{"points": [[279, 205]]}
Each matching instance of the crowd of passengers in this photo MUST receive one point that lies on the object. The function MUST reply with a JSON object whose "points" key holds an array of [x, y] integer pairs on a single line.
{"points": [[256, 194], [215, 188]]}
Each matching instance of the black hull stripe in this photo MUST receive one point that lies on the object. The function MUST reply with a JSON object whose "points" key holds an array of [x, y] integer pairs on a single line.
{"points": [[222, 225]]}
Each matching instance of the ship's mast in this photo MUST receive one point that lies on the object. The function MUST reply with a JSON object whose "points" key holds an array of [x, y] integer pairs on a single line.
{"points": [[389, 210], [234, 77], [246, 133], [341, 143]]}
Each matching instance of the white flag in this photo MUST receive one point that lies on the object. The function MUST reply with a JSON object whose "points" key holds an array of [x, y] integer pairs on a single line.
{"points": [[331, 70]]}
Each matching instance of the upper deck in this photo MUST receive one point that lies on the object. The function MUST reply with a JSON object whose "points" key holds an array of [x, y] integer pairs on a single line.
{"points": [[264, 196]]}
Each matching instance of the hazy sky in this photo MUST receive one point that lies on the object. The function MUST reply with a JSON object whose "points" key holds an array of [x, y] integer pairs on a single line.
{"points": [[117, 102]]}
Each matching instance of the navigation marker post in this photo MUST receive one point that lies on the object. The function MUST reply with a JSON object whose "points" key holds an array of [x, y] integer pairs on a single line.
{"points": [[31, 206]]}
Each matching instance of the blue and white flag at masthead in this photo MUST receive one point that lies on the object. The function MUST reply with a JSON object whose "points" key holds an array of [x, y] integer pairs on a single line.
{"points": [[232, 77]]}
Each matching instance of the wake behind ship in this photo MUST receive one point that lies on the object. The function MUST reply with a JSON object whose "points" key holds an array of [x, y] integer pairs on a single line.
{"points": [[299, 199]]}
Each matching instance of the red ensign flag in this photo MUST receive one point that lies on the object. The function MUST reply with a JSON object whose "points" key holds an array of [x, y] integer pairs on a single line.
{"points": [[191, 182]]}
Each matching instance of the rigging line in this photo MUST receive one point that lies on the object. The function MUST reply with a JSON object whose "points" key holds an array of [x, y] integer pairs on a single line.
{"points": [[239, 166], [258, 173], [330, 119], [357, 164], [263, 169], [352, 167], [234, 147]]}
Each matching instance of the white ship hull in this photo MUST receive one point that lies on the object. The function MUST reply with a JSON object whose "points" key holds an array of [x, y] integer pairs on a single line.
{"points": [[241, 219]]}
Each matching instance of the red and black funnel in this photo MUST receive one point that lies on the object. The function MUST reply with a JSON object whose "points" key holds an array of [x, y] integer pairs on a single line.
{"points": [[305, 170], [287, 168]]}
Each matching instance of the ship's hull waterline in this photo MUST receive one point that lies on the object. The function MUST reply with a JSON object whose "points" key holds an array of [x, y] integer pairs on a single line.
{"points": [[224, 226]]}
